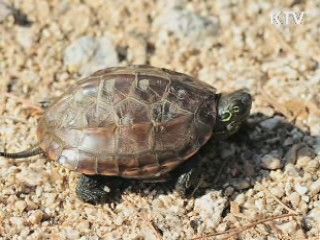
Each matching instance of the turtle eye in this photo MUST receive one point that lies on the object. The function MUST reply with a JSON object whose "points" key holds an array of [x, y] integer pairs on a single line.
{"points": [[225, 117], [236, 109]]}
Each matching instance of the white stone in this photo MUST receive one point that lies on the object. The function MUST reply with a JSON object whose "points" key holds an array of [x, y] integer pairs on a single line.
{"points": [[186, 25], [294, 199], [210, 207], [36, 216], [270, 162], [313, 219], [315, 187], [29, 177], [301, 189], [20, 205], [5, 11], [89, 54], [287, 227], [24, 37], [271, 123]]}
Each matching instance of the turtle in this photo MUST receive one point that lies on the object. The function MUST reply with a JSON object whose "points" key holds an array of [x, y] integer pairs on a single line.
{"points": [[136, 122]]}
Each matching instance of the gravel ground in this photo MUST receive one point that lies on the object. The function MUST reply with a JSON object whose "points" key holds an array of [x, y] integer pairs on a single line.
{"points": [[263, 183]]}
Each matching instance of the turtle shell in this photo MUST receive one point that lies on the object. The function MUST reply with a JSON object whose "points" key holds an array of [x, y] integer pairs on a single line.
{"points": [[134, 122]]}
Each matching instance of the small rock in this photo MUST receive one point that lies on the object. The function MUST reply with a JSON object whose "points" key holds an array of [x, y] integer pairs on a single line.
{"points": [[278, 191], [291, 170], [229, 191], [29, 177], [294, 199], [296, 151], [17, 222], [186, 25], [50, 199], [315, 187], [36, 216], [76, 19], [260, 204], [89, 54], [272, 123], [71, 233], [313, 120], [24, 37], [137, 49], [84, 226], [303, 161], [157, 203], [20, 205], [271, 162], [241, 184], [301, 189], [240, 199], [5, 11], [287, 227], [312, 220], [210, 208], [317, 148], [30, 204]]}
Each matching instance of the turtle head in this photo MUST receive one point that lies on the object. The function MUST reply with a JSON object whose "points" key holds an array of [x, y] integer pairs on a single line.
{"points": [[232, 110]]}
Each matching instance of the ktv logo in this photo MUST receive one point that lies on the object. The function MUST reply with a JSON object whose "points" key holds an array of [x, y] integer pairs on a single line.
{"points": [[286, 17]]}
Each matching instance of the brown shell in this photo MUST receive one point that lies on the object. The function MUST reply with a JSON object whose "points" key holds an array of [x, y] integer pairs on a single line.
{"points": [[134, 122]]}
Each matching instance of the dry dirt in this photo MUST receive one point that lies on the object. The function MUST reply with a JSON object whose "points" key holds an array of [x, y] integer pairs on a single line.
{"points": [[263, 183]]}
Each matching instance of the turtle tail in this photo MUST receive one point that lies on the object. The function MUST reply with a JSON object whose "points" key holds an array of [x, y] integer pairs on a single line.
{"points": [[32, 151]]}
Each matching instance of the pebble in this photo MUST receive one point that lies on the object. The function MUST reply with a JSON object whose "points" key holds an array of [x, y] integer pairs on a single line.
{"points": [[5, 11], [313, 219], [303, 161], [229, 191], [294, 199], [313, 120], [278, 191], [71, 233], [187, 25], [316, 148], [272, 123], [50, 199], [287, 227], [89, 54], [260, 204], [84, 226], [271, 162], [29, 177], [210, 207], [296, 151], [36, 216], [241, 184], [20, 205], [300, 189], [315, 187], [24, 37], [76, 19], [17, 222], [240, 199]]}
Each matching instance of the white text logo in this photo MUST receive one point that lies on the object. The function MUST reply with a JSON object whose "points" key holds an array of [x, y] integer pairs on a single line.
{"points": [[286, 17]]}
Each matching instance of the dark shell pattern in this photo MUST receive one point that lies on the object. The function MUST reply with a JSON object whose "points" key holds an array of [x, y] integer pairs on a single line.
{"points": [[134, 122]]}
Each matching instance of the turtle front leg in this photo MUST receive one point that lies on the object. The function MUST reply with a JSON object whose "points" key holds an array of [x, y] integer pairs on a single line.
{"points": [[92, 189], [188, 182], [190, 178]]}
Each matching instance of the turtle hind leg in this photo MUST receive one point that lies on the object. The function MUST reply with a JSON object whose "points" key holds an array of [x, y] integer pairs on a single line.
{"points": [[92, 189]]}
